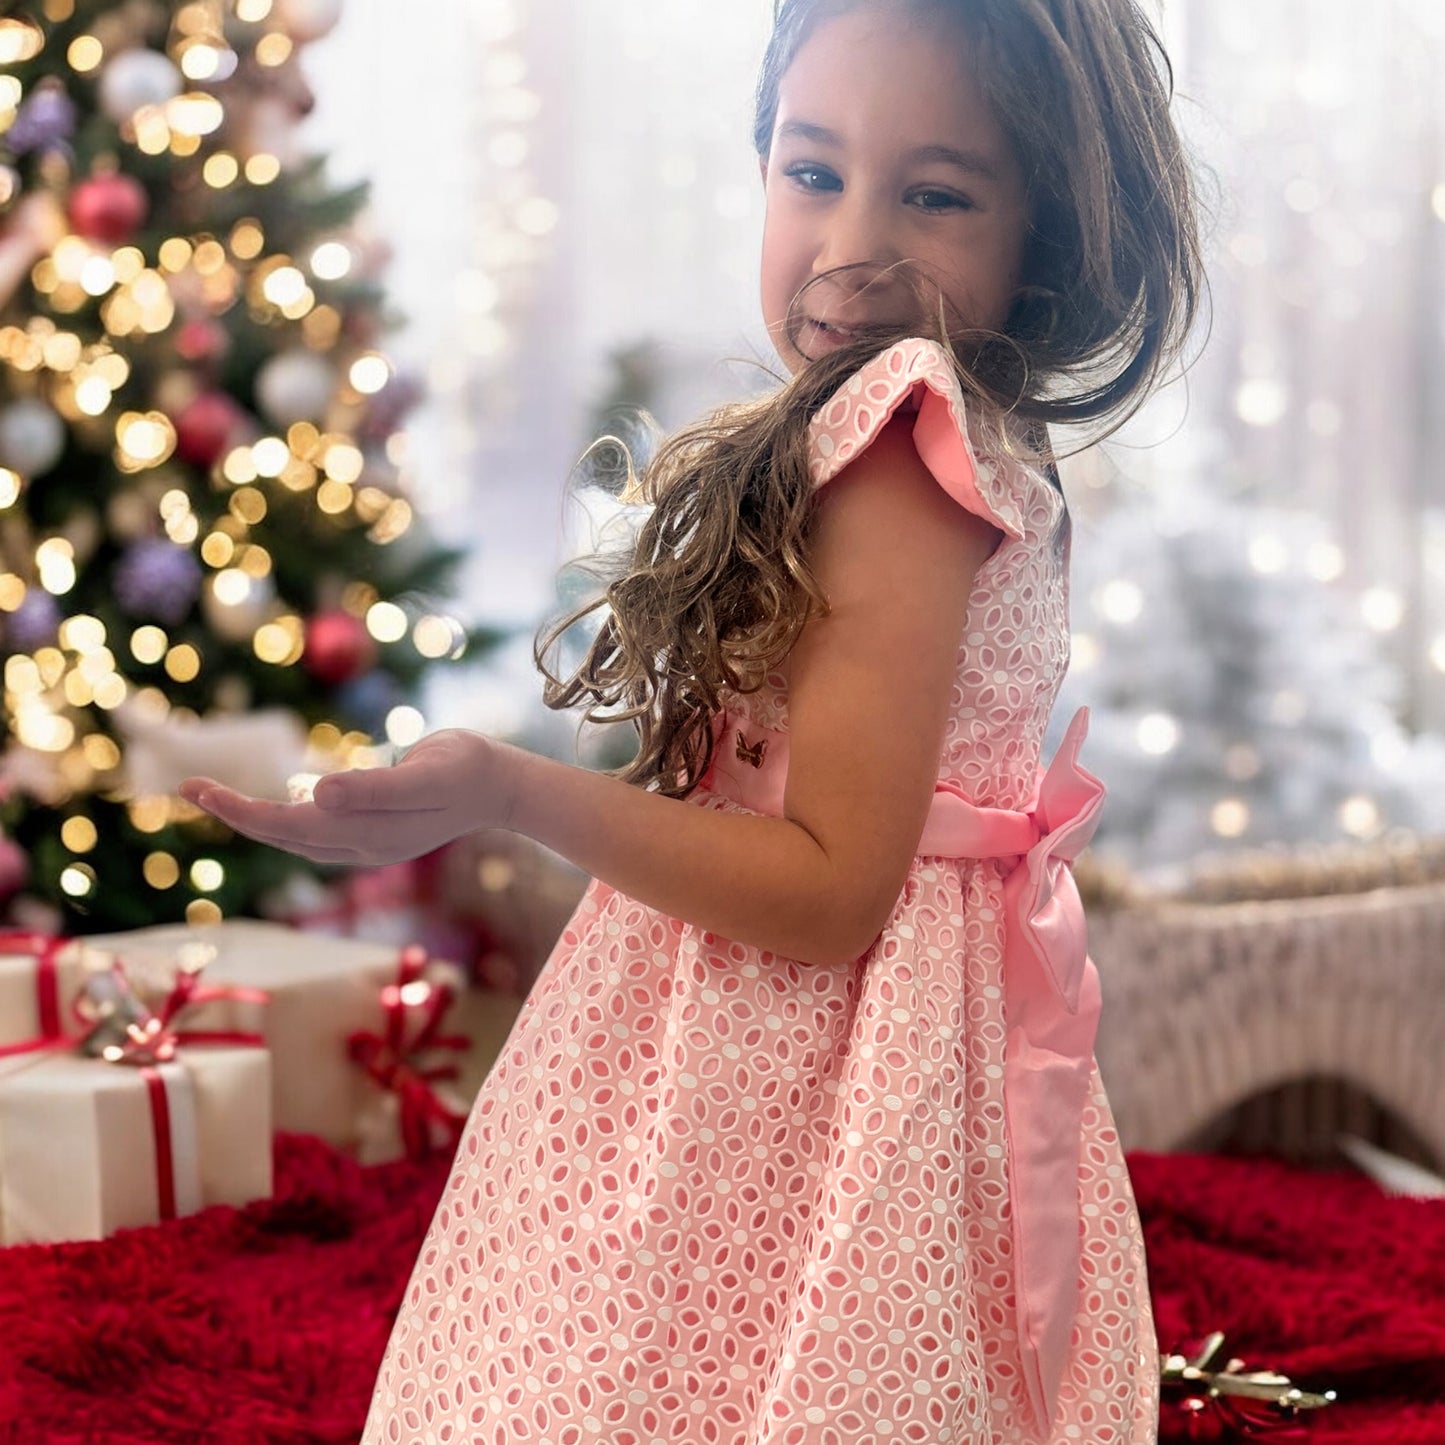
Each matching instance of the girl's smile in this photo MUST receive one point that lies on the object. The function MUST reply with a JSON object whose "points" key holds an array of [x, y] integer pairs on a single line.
{"points": [[887, 168], [820, 336]]}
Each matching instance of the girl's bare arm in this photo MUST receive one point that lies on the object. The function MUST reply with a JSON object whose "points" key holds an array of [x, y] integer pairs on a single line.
{"points": [[870, 686]]}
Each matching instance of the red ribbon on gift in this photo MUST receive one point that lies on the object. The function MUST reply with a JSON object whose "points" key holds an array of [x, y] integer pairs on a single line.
{"points": [[393, 1058], [153, 1038], [161, 1128], [43, 948]]}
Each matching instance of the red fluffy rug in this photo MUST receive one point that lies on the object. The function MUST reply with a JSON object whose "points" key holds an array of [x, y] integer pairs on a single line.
{"points": [[264, 1326], [1319, 1275]]}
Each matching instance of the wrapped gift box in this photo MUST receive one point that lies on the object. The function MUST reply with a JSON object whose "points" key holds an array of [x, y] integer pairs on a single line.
{"points": [[321, 990], [89, 1147], [39, 977]]}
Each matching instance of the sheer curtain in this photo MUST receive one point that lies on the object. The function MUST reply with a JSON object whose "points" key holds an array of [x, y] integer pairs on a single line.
{"points": [[561, 179]]}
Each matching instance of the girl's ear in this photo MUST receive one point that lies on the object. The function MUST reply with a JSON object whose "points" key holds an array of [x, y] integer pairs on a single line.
{"points": [[763, 169]]}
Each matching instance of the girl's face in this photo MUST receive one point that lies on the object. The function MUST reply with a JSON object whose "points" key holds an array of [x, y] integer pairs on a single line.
{"points": [[885, 151]]}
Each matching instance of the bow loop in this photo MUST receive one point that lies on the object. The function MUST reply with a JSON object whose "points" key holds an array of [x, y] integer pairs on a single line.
{"points": [[1071, 799], [1043, 897], [123, 1028]]}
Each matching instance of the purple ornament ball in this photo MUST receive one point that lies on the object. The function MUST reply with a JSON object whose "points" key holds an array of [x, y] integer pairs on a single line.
{"points": [[34, 624], [156, 578], [45, 120]]}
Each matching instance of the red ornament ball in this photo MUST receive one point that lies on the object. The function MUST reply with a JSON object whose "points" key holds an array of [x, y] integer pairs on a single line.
{"points": [[338, 648], [109, 208], [205, 426]]}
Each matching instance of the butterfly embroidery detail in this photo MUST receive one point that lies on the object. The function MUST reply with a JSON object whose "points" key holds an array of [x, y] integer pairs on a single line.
{"points": [[752, 753]]}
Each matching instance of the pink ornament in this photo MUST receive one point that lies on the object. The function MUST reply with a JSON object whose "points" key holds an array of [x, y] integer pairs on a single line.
{"points": [[205, 427], [109, 208], [338, 648], [201, 339], [14, 867]]}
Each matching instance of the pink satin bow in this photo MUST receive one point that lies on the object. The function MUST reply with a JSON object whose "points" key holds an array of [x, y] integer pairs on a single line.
{"points": [[1051, 1006]]}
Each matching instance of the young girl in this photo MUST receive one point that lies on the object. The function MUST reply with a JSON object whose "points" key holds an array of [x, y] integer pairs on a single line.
{"points": [[798, 1138]]}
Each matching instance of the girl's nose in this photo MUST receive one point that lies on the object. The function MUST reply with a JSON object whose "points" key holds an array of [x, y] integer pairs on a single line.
{"points": [[855, 235]]}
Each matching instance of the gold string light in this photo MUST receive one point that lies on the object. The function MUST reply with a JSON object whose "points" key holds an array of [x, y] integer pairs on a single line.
{"points": [[20, 40], [161, 871]]}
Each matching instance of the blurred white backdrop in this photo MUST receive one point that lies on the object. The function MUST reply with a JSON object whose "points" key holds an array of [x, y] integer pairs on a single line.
{"points": [[561, 179]]}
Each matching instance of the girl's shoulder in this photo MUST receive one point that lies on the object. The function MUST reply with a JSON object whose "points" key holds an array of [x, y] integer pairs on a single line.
{"points": [[973, 462]]}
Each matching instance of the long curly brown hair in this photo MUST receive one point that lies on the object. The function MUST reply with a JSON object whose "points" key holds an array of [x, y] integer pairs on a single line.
{"points": [[719, 587]]}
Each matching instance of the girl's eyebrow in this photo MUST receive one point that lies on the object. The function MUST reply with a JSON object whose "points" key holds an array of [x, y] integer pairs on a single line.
{"points": [[975, 163]]}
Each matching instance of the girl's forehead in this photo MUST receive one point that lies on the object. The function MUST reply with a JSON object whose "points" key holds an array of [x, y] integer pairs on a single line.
{"points": [[873, 78]]}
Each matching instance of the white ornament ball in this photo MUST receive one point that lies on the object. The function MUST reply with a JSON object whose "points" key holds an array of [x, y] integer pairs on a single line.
{"points": [[307, 20], [32, 437], [136, 78], [237, 621], [295, 386]]}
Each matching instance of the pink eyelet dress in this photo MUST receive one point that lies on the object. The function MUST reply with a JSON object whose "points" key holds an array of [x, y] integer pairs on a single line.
{"points": [[709, 1195]]}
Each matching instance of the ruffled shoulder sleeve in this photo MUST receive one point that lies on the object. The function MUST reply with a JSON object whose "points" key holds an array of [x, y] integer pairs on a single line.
{"points": [[917, 372]]}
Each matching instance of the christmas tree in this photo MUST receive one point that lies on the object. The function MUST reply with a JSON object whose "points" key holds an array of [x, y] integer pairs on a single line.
{"points": [[1238, 701], [208, 559]]}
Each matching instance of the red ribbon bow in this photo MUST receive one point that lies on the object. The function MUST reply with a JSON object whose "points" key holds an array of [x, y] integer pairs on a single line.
{"points": [[143, 1038], [414, 1007]]}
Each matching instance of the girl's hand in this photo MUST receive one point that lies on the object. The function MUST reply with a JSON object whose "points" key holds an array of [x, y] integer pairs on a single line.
{"points": [[450, 783]]}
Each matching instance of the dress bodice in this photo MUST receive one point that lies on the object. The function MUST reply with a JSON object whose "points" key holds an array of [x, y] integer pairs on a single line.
{"points": [[1014, 649]]}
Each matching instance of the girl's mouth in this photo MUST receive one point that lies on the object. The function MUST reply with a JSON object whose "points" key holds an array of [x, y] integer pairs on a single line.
{"points": [[829, 335], [821, 335]]}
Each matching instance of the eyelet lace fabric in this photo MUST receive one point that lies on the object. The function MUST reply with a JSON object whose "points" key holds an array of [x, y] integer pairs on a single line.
{"points": [[709, 1195]]}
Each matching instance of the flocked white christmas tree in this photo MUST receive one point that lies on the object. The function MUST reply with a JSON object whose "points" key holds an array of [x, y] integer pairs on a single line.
{"points": [[1238, 699]]}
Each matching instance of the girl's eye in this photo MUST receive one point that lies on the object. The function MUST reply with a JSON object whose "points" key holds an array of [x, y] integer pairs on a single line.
{"points": [[813, 178], [932, 200]]}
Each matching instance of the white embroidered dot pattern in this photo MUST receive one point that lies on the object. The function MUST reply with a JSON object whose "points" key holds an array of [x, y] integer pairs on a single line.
{"points": [[711, 1196]]}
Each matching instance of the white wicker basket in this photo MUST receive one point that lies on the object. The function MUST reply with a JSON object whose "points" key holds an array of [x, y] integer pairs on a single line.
{"points": [[1209, 1005]]}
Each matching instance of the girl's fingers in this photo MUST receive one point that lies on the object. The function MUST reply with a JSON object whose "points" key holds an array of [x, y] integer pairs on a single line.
{"points": [[192, 788], [356, 837], [238, 810], [385, 790], [316, 851], [285, 825]]}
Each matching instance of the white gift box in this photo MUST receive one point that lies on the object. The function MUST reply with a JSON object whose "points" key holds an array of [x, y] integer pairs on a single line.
{"points": [[89, 1147]]}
